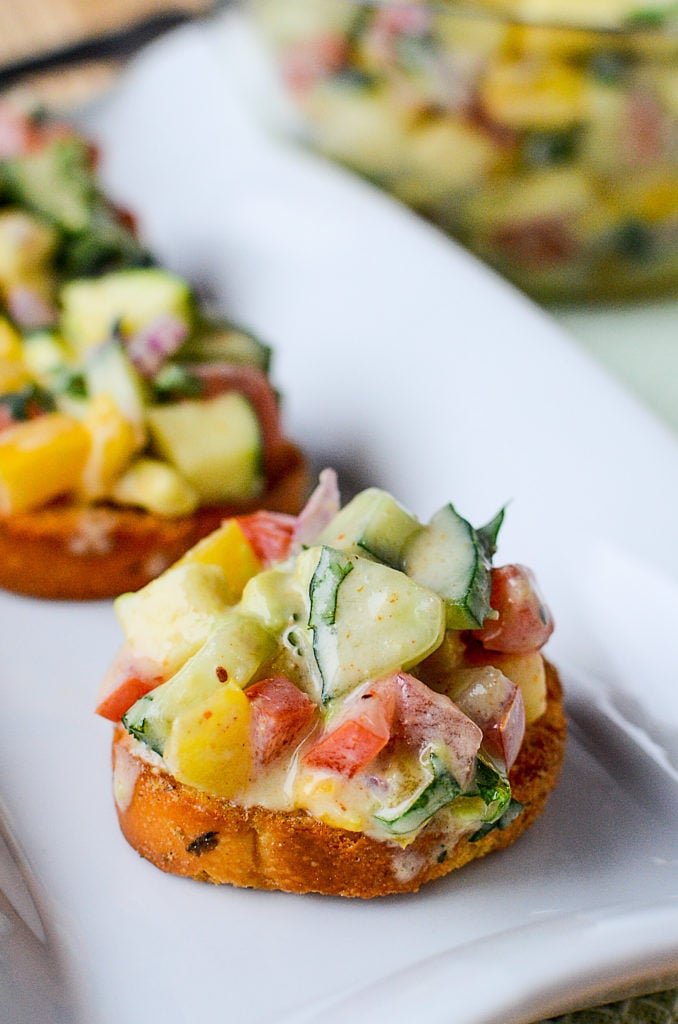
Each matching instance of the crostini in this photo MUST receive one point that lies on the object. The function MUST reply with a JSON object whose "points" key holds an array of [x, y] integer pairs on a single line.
{"points": [[347, 702], [132, 421]]}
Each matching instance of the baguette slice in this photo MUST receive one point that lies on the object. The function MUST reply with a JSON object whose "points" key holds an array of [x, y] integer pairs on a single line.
{"points": [[86, 552], [186, 832]]}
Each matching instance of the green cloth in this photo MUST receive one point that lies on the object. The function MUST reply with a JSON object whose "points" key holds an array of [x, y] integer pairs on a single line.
{"points": [[660, 1008]]}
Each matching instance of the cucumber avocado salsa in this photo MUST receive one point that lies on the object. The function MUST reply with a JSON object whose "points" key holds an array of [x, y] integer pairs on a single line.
{"points": [[353, 664], [115, 386]]}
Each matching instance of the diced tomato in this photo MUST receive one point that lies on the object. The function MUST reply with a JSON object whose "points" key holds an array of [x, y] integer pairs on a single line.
{"points": [[647, 129], [496, 705], [524, 622], [545, 241], [314, 59], [252, 382], [430, 719], [127, 680], [366, 730], [269, 533], [280, 714], [21, 133]]}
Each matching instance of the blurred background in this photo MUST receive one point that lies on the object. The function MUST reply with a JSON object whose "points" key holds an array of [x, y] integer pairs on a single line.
{"points": [[543, 134]]}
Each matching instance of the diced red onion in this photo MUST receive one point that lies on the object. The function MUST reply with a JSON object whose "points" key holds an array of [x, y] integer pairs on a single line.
{"points": [[318, 511], [153, 345], [29, 309]]}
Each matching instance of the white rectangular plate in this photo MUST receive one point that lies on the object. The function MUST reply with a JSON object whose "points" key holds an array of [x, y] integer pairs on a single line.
{"points": [[408, 365]]}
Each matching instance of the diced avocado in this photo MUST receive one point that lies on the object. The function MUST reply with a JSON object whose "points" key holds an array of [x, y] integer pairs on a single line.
{"points": [[450, 557], [366, 618], [170, 618], [157, 487], [55, 180], [233, 654], [373, 523], [215, 444], [222, 342], [109, 371], [123, 303]]}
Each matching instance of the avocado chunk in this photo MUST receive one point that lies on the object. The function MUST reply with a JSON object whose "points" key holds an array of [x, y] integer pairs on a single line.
{"points": [[215, 444], [122, 303]]}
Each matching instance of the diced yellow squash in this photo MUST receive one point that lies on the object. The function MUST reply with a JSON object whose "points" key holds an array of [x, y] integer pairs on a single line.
{"points": [[322, 796], [521, 95], [112, 445], [209, 746], [228, 547], [40, 459], [156, 487], [13, 375], [10, 341]]}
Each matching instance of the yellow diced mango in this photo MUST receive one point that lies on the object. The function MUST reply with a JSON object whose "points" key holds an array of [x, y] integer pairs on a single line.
{"points": [[10, 341], [40, 459], [229, 548], [13, 375], [209, 746], [323, 797], [542, 97], [112, 445]]}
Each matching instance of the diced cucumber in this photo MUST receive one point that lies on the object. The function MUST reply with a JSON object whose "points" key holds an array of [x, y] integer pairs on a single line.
{"points": [[413, 812], [490, 795], [216, 445], [233, 653], [367, 619], [109, 371], [124, 302], [54, 180], [487, 801], [170, 618], [373, 523], [222, 342], [452, 559], [46, 354]]}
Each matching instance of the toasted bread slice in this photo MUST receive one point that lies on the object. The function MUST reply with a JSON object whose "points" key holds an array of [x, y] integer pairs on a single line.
{"points": [[186, 832], [85, 552]]}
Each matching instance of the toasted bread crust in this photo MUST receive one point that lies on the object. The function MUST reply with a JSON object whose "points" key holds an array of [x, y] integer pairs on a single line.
{"points": [[86, 552], [186, 832]]}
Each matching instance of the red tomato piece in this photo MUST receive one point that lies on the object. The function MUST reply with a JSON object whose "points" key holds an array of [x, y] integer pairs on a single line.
{"points": [[280, 714], [524, 622], [128, 693], [269, 533], [365, 731], [128, 679], [430, 719]]}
